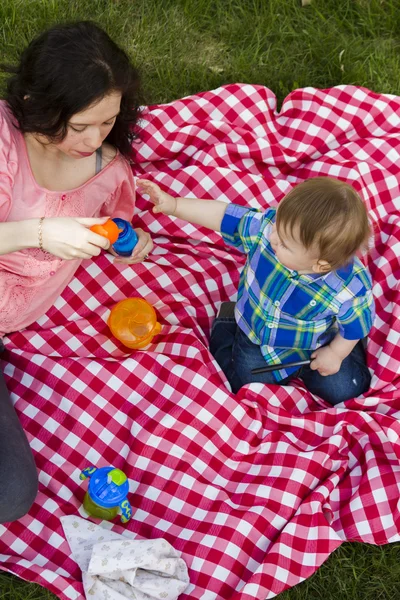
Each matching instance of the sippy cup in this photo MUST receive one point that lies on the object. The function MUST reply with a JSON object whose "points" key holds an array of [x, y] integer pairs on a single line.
{"points": [[120, 233], [127, 238], [107, 493], [134, 322]]}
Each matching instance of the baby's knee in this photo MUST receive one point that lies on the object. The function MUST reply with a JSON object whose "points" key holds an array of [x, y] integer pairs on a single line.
{"points": [[350, 382], [344, 390]]}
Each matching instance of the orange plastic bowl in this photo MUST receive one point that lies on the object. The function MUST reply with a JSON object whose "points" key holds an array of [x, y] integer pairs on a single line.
{"points": [[134, 322], [109, 230]]}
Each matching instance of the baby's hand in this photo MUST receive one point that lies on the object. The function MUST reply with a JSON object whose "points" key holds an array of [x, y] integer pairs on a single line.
{"points": [[325, 361], [163, 202]]}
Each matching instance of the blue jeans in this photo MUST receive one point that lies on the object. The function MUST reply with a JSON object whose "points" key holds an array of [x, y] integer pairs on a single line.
{"points": [[237, 356], [18, 476]]}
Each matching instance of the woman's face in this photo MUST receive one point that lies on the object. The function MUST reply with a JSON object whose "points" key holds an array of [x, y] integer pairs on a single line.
{"points": [[88, 129]]}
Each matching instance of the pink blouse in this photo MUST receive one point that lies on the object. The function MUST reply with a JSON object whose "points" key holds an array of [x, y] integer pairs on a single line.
{"points": [[31, 280]]}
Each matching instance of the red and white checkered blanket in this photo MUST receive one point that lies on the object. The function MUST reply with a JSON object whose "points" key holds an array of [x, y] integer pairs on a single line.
{"points": [[256, 490]]}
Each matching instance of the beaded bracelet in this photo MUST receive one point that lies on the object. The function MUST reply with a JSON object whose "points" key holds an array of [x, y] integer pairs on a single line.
{"points": [[40, 232]]}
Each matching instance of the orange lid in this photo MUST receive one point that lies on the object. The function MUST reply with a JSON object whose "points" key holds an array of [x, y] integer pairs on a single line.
{"points": [[133, 322], [109, 229]]}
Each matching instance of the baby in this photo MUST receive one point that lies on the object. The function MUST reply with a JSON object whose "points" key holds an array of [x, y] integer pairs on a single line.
{"points": [[303, 295]]}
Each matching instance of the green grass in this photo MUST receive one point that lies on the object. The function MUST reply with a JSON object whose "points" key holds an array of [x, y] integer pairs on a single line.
{"points": [[186, 46], [353, 572]]}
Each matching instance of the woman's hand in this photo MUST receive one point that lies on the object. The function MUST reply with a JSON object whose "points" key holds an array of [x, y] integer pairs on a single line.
{"points": [[140, 252], [70, 238], [163, 202]]}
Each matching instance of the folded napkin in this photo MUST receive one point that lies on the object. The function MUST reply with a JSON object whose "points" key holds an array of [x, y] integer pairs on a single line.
{"points": [[115, 567]]}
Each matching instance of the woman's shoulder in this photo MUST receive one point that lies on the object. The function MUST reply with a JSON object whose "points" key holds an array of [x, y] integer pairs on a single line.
{"points": [[8, 135], [4, 110], [108, 153], [6, 118], [111, 156], [114, 160]]}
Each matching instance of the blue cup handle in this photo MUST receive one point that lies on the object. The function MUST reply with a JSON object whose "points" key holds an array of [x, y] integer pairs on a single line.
{"points": [[126, 510], [87, 472]]}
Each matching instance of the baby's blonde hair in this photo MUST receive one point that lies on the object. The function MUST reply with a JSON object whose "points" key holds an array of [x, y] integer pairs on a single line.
{"points": [[330, 216]]}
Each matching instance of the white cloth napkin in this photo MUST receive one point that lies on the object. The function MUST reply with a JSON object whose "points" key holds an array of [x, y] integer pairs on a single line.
{"points": [[115, 567]]}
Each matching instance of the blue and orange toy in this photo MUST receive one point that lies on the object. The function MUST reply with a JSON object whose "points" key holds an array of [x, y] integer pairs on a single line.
{"points": [[120, 233], [107, 494]]}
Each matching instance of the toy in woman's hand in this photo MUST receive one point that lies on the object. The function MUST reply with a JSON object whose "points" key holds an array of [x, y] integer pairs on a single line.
{"points": [[127, 238], [134, 322], [109, 230], [107, 493], [120, 233]]}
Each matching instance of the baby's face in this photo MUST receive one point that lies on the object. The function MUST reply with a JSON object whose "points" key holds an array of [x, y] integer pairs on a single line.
{"points": [[292, 254]]}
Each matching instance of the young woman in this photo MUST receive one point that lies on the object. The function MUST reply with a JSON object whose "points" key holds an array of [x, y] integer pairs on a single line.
{"points": [[67, 122]]}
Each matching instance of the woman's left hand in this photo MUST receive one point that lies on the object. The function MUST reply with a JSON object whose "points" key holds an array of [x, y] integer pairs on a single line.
{"points": [[140, 252]]}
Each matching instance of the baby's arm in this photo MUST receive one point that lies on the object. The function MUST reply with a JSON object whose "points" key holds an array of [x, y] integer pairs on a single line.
{"points": [[328, 359], [208, 213], [341, 346], [355, 319]]}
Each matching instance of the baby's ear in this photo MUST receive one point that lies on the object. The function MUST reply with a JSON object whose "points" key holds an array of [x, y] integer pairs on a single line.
{"points": [[321, 266]]}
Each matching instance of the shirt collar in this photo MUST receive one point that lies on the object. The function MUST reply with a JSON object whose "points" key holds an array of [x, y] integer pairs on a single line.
{"points": [[345, 271]]}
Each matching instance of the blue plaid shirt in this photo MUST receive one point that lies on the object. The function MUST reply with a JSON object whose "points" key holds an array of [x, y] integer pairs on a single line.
{"points": [[287, 314]]}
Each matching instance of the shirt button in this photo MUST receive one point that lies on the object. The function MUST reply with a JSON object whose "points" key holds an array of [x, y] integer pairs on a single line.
{"points": [[63, 197], [277, 303], [52, 273], [270, 325], [313, 303]]}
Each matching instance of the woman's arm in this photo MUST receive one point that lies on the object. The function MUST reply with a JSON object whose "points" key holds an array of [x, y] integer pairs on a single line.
{"points": [[64, 237], [18, 235]]}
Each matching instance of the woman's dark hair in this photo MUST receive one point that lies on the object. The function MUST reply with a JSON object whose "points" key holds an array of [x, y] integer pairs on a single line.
{"points": [[64, 71]]}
